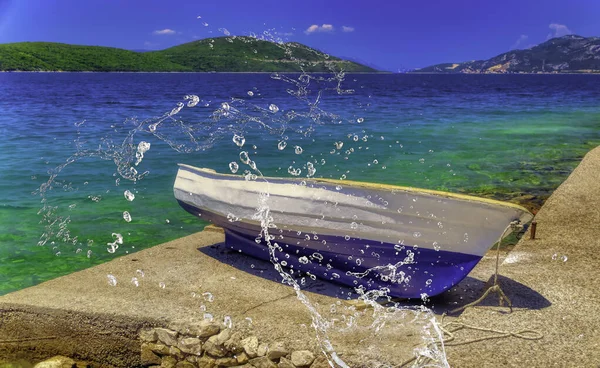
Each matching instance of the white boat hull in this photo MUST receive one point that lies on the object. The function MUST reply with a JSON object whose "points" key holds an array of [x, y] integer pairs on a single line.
{"points": [[411, 241]]}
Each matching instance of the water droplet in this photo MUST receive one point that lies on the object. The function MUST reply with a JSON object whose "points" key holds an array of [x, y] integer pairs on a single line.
{"points": [[422, 160], [112, 281], [273, 108], [317, 256], [298, 150], [375, 162], [239, 140], [554, 257], [417, 234], [140, 273], [162, 285], [208, 297], [303, 260], [293, 171], [436, 246], [205, 24], [227, 322], [128, 195], [233, 166], [192, 100], [428, 282], [244, 157], [281, 145], [142, 148], [355, 138], [250, 93], [177, 108], [360, 120], [353, 225], [225, 106], [310, 168], [135, 281], [89, 253], [564, 258], [126, 216]]}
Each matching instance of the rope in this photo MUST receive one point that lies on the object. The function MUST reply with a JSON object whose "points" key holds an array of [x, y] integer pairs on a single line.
{"points": [[450, 328], [495, 288]]}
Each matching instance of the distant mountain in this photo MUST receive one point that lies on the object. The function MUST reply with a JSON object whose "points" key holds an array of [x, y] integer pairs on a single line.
{"points": [[220, 54], [567, 54]]}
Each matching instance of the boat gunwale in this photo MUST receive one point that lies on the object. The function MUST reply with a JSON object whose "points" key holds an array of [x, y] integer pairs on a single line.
{"points": [[368, 185]]}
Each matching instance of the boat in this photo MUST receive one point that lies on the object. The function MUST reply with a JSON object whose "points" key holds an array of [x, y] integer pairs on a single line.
{"points": [[409, 242]]}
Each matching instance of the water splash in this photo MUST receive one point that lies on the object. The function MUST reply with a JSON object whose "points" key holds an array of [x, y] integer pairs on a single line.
{"points": [[231, 120]]}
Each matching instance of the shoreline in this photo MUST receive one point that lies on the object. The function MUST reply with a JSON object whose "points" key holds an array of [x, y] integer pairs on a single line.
{"points": [[178, 72]]}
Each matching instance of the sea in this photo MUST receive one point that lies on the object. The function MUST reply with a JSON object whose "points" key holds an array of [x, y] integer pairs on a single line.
{"points": [[68, 144]]}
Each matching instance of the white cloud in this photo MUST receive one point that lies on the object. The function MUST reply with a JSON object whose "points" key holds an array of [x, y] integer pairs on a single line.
{"points": [[165, 31], [558, 30], [519, 42], [315, 28], [347, 29]]}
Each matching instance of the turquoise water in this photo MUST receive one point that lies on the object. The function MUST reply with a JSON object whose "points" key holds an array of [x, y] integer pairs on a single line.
{"points": [[507, 137]]}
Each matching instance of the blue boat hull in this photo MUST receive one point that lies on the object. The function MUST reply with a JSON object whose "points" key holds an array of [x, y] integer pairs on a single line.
{"points": [[406, 272]]}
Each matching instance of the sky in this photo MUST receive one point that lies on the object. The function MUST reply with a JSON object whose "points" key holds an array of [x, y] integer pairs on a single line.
{"points": [[390, 34]]}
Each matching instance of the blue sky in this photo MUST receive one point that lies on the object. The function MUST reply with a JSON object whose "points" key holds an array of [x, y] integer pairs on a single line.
{"points": [[392, 34]]}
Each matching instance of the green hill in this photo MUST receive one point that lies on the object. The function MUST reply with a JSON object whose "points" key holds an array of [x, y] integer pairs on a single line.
{"points": [[221, 54], [567, 54]]}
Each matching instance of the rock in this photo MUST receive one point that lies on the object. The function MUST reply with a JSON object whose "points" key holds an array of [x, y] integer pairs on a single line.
{"points": [[58, 361], [234, 344], [184, 364], [226, 362], [262, 350], [159, 349], [262, 362], [302, 358], [242, 358], [192, 358], [148, 335], [206, 362], [250, 346], [277, 350], [166, 336], [175, 352], [214, 346], [320, 362], [204, 329], [284, 363], [148, 356], [168, 362], [190, 345]]}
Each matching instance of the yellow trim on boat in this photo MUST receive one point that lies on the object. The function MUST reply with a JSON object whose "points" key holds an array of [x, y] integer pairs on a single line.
{"points": [[367, 185]]}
